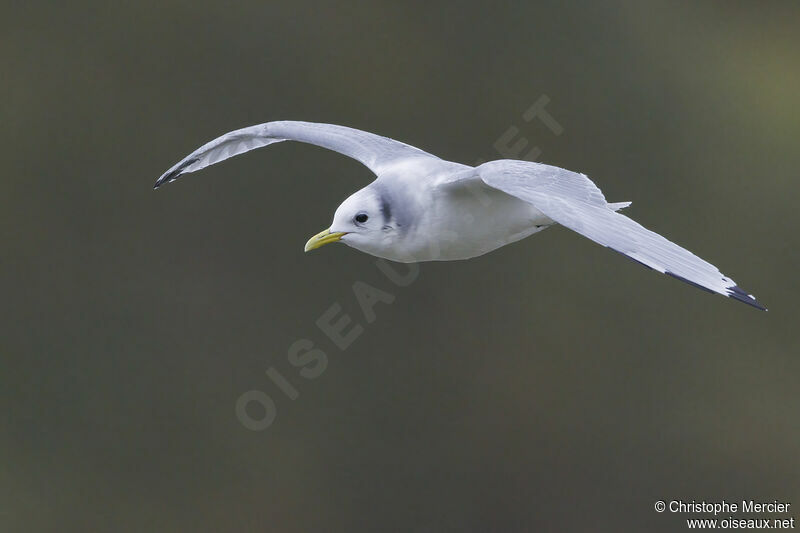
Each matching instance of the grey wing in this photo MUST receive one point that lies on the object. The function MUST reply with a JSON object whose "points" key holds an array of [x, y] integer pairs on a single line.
{"points": [[373, 151], [572, 200]]}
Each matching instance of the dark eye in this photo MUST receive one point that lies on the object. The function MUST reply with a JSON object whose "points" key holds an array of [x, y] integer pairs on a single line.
{"points": [[361, 218]]}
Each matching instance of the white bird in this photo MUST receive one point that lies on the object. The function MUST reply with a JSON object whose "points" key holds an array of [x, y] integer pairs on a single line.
{"points": [[422, 208]]}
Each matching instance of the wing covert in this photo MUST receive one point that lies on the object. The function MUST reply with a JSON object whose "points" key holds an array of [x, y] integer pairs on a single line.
{"points": [[373, 151]]}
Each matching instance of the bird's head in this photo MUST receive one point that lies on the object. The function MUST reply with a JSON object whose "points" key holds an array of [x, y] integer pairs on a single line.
{"points": [[364, 221]]}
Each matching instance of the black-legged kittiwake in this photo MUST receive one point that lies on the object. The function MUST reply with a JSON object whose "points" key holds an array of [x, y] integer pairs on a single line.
{"points": [[423, 208]]}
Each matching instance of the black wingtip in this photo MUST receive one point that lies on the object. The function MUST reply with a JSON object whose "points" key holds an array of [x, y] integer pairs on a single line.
{"points": [[173, 174], [738, 294], [733, 292]]}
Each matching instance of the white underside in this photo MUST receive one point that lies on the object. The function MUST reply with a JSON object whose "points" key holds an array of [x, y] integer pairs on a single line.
{"points": [[461, 223]]}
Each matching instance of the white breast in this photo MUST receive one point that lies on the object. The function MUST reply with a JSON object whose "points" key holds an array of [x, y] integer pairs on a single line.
{"points": [[460, 223]]}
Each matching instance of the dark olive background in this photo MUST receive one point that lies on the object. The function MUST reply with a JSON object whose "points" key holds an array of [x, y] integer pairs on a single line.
{"points": [[549, 385]]}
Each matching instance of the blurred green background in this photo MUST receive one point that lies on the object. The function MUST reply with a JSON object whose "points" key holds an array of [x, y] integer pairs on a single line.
{"points": [[550, 385]]}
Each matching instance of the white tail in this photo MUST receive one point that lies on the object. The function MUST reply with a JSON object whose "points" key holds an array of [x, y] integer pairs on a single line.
{"points": [[619, 205]]}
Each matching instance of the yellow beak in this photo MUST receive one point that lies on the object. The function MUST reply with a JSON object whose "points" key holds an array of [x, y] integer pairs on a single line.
{"points": [[322, 238]]}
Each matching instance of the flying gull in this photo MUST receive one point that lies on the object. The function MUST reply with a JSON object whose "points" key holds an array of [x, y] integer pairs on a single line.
{"points": [[423, 208]]}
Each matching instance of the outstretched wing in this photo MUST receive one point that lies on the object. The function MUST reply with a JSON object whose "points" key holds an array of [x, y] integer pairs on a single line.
{"points": [[572, 200], [374, 151]]}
